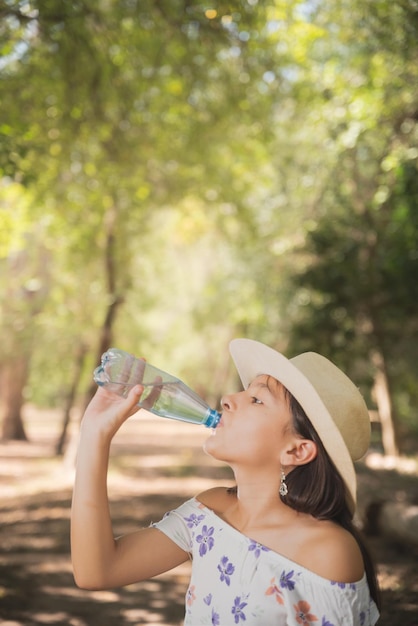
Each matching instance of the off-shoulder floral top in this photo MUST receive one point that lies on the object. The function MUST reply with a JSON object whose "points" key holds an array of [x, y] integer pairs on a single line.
{"points": [[236, 580]]}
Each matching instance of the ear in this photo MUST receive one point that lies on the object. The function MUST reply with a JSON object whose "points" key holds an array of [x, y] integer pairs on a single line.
{"points": [[299, 452]]}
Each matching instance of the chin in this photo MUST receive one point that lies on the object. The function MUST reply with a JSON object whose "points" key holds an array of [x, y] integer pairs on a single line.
{"points": [[209, 448]]}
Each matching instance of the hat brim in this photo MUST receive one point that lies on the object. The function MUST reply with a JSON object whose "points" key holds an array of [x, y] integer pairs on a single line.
{"points": [[253, 359]]}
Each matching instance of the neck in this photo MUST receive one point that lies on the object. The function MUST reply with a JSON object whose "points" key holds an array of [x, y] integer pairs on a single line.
{"points": [[258, 501]]}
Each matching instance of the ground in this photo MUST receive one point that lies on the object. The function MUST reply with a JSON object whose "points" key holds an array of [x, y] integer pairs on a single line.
{"points": [[155, 464]]}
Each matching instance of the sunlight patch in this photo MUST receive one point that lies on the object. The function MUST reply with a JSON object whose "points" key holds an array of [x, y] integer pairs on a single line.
{"points": [[143, 616]]}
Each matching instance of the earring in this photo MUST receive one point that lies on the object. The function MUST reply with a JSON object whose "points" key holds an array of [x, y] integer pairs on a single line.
{"points": [[283, 490]]}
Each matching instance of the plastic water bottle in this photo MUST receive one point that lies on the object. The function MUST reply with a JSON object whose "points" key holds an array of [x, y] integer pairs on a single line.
{"points": [[164, 394]]}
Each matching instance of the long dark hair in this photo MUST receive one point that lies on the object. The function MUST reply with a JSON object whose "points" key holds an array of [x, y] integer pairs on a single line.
{"points": [[329, 502]]}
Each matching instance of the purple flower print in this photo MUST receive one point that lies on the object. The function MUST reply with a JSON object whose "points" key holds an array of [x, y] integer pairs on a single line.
{"points": [[193, 520], [340, 585], [362, 618], [325, 622], [257, 548], [215, 618], [206, 540], [237, 610], [285, 580], [227, 569], [351, 586]]}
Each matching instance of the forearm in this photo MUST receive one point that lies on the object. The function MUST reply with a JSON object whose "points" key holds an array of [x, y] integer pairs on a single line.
{"points": [[99, 561], [93, 548]]}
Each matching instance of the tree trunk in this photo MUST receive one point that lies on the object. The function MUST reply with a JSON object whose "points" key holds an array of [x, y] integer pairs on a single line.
{"points": [[384, 405], [106, 333], [105, 340], [15, 374], [24, 301], [70, 399], [114, 298]]}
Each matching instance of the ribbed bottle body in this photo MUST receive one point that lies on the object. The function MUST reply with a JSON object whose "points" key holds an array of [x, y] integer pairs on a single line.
{"points": [[164, 394]]}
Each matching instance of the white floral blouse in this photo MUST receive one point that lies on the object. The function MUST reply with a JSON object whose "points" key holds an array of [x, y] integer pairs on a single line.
{"points": [[236, 580]]}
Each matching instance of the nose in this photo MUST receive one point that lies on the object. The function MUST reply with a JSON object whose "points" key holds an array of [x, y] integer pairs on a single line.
{"points": [[227, 402]]}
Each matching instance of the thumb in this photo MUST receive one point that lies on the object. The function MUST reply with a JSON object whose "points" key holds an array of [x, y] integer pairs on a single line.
{"points": [[133, 397]]}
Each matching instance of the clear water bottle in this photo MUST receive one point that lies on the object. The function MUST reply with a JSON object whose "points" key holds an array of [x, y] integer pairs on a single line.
{"points": [[164, 394]]}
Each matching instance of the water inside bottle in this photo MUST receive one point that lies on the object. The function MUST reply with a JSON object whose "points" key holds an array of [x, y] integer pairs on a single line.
{"points": [[164, 394]]}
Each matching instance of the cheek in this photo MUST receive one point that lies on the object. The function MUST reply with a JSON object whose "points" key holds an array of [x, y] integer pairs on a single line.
{"points": [[263, 439], [252, 442]]}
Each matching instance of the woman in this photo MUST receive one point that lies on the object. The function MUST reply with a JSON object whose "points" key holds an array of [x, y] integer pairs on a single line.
{"points": [[280, 548]]}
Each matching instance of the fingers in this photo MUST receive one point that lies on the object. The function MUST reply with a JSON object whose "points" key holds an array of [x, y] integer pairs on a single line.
{"points": [[134, 395], [107, 411], [121, 380], [124, 408], [138, 370], [132, 373], [153, 394], [105, 400], [124, 376]]}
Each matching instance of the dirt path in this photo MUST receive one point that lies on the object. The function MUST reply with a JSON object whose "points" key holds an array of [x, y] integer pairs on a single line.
{"points": [[155, 465]]}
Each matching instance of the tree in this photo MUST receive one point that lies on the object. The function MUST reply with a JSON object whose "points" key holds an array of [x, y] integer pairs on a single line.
{"points": [[125, 108], [25, 289], [358, 298], [177, 155], [355, 297]]}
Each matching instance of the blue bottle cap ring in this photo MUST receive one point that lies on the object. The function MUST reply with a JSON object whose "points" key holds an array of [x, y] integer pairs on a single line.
{"points": [[212, 419]]}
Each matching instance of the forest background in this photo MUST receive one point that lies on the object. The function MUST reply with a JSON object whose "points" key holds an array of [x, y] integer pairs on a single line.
{"points": [[174, 174]]}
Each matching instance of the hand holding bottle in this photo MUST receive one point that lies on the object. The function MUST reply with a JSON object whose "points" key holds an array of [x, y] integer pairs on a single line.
{"points": [[107, 411], [125, 385], [120, 373]]}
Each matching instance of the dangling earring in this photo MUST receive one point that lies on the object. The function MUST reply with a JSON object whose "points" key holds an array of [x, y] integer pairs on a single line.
{"points": [[283, 490]]}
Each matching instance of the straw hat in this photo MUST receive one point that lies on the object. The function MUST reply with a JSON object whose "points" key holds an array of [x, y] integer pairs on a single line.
{"points": [[332, 402]]}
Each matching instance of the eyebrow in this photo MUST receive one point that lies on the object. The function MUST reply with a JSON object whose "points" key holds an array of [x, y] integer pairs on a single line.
{"points": [[260, 385], [266, 385]]}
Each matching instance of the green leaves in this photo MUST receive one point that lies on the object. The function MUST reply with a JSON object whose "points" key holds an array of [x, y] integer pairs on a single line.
{"points": [[200, 147]]}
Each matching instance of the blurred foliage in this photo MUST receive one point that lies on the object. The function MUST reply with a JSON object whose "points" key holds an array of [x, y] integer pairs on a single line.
{"points": [[250, 167]]}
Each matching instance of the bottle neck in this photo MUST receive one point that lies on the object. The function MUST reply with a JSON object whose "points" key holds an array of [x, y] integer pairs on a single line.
{"points": [[212, 418]]}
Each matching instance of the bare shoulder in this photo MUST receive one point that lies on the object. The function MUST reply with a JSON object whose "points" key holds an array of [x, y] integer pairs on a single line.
{"points": [[218, 499], [333, 553]]}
